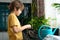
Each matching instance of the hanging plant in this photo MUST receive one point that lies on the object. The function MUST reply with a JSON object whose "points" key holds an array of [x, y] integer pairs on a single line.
{"points": [[56, 5]]}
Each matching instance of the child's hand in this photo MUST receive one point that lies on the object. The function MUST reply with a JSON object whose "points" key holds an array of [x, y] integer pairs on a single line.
{"points": [[28, 26]]}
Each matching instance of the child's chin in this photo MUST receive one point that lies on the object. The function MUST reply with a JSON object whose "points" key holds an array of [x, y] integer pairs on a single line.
{"points": [[17, 15]]}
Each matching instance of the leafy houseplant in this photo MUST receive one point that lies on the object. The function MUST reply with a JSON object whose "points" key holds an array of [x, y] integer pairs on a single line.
{"points": [[36, 22]]}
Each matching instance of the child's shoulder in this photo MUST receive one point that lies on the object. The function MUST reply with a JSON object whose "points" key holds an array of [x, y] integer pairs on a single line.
{"points": [[11, 16]]}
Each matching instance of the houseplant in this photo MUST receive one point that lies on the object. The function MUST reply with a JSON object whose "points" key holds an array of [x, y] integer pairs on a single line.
{"points": [[36, 22], [56, 5]]}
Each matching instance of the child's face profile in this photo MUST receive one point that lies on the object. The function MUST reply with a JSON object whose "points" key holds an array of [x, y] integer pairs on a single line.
{"points": [[18, 12]]}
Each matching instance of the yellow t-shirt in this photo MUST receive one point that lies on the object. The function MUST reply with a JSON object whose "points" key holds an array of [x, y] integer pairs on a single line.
{"points": [[12, 21]]}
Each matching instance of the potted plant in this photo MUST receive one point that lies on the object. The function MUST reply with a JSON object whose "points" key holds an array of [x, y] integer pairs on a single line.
{"points": [[36, 22]]}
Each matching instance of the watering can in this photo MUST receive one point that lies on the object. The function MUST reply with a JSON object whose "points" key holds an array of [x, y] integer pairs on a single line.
{"points": [[44, 30]]}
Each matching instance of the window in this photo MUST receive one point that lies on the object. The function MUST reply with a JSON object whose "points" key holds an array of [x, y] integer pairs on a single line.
{"points": [[51, 12], [3, 16]]}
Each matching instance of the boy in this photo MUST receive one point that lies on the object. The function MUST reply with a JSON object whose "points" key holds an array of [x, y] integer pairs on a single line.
{"points": [[14, 27]]}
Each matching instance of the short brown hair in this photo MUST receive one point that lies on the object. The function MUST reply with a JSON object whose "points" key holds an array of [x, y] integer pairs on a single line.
{"points": [[17, 4]]}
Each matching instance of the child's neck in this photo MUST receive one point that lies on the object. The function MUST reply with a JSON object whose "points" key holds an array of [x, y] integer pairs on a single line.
{"points": [[13, 12]]}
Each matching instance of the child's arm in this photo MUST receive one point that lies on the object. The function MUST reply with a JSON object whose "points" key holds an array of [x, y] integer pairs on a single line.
{"points": [[16, 29]]}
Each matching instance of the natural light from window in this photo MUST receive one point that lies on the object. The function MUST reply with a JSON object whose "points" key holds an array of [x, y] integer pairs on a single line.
{"points": [[52, 13]]}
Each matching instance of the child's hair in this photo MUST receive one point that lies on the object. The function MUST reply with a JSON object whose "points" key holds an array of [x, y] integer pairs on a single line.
{"points": [[16, 4]]}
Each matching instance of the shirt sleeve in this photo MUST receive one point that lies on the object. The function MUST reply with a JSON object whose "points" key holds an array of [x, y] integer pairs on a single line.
{"points": [[13, 21]]}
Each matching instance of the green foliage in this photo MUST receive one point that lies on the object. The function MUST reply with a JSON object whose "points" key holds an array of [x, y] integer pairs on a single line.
{"points": [[36, 22], [56, 5]]}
